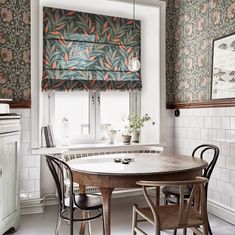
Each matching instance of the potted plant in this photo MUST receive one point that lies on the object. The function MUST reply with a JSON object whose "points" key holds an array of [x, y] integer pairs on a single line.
{"points": [[135, 123]]}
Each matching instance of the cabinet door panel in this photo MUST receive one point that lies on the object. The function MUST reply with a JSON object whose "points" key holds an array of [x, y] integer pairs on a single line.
{"points": [[9, 194]]}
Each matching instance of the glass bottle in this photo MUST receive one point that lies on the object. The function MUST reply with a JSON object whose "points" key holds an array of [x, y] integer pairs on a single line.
{"points": [[65, 131]]}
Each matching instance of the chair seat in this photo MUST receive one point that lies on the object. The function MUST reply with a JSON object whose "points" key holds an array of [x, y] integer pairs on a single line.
{"points": [[169, 217], [86, 201], [175, 191]]}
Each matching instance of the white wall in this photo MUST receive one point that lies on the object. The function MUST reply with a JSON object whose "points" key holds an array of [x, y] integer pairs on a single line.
{"points": [[209, 126], [29, 164]]}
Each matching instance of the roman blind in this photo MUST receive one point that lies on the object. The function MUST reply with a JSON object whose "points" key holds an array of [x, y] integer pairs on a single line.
{"points": [[83, 51]]}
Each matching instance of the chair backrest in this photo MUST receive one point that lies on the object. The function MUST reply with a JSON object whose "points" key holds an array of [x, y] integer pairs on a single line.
{"points": [[202, 151], [185, 204], [60, 170]]}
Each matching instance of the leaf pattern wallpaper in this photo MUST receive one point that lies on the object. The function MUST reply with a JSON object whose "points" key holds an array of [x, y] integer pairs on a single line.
{"points": [[15, 74], [191, 27], [84, 51]]}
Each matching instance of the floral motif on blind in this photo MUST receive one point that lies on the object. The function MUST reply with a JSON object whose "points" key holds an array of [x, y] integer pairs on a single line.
{"points": [[84, 51]]}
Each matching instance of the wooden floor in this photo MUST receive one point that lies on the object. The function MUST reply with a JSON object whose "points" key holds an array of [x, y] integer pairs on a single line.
{"points": [[44, 224]]}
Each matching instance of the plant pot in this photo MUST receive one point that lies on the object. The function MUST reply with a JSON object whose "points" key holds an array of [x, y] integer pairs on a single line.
{"points": [[136, 137], [126, 139]]}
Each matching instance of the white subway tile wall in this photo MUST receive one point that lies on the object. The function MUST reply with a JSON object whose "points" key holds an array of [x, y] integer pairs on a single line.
{"points": [[29, 164], [213, 126], [192, 128]]}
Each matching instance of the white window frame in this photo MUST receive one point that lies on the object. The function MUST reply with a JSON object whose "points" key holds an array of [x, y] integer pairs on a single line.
{"points": [[94, 113], [39, 117]]}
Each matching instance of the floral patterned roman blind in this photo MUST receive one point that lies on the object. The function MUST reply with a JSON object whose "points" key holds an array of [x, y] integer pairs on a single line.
{"points": [[90, 52]]}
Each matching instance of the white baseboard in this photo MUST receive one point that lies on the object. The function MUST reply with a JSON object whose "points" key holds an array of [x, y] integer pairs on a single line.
{"points": [[126, 193], [221, 211], [35, 206], [32, 206], [50, 200]]}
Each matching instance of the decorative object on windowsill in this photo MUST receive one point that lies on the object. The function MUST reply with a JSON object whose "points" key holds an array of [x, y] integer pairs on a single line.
{"points": [[126, 138], [134, 63], [47, 137], [136, 137], [105, 128], [111, 136], [135, 123], [65, 131]]}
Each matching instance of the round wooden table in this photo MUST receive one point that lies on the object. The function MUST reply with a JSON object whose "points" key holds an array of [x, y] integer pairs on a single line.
{"points": [[104, 173]]}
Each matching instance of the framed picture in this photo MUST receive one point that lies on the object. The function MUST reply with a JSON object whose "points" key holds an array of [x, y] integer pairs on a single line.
{"points": [[223, 68]]}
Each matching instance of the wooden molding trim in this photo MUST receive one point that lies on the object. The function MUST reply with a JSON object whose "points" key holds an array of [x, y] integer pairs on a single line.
{"points": [[206, 104], [19, 105]]}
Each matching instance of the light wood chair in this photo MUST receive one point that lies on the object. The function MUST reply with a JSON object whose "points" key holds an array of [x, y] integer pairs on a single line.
{"points": [[189, 213], [172, 193]]}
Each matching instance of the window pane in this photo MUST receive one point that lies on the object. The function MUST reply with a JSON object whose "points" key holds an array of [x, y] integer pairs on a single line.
{"points": [[113, 106], [73, 106]]}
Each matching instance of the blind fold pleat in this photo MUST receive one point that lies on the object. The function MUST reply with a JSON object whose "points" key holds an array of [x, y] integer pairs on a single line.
{"points": [[83, 51]]}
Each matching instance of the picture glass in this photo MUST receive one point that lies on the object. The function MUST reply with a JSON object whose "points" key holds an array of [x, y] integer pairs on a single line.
{"points": [[223, 68]]}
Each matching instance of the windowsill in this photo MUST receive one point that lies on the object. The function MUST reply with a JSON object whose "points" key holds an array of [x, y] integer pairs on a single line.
{"points": [[95, 146]]}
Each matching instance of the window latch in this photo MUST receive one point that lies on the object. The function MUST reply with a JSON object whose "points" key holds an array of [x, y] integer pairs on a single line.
{"points": [[93, 100]]}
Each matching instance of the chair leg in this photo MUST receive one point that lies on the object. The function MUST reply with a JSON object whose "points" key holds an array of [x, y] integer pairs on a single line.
{"points": [[71, 227], [157, 230], [89, 224], [209, 227], [177, 202], [71, 220], [134, 220], [103, 223], [165, 201], [58, 222], [205, 229]]}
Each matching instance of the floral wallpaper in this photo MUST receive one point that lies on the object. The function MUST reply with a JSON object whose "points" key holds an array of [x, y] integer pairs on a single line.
{"points": [[15, 51], [84, 51], [191, 27]]}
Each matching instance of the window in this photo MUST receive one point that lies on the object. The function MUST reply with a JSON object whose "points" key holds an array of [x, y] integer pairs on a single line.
{"points": [[89, 114], [113, 106]]}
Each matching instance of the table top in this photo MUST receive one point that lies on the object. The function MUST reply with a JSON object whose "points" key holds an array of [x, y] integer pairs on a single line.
{"points": [[142, 164]]}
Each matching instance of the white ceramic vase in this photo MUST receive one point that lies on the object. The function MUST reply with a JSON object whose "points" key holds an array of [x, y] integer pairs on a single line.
{"points": [[136, 137]]}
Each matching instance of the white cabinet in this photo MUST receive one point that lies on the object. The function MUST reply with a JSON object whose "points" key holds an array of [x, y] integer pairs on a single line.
{"points": [[9, 172]]}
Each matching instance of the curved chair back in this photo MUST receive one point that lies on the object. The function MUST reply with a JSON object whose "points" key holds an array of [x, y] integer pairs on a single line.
{"points": [[60, 170], [202, 150]]}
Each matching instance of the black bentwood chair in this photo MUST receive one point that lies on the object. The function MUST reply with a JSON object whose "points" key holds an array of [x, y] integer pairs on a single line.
{"points": [[72, 208], [172, 193]]}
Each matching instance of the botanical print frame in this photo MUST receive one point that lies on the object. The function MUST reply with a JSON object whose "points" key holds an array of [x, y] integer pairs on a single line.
{"points": [[223, 67]]}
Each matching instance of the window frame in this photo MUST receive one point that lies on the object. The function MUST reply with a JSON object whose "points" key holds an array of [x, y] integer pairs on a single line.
{"points": [[94, 114], [39, 104]]}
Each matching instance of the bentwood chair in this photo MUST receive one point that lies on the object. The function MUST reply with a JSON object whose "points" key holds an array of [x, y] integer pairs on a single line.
{"points": [[174, 216], [172, 193], [80, 207]]}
